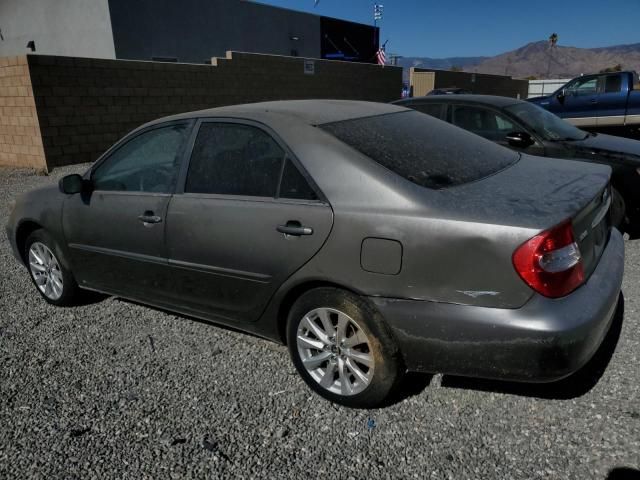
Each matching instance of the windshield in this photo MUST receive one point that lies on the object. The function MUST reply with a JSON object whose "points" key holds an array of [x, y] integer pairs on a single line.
{"points": [[545, 124], [423, 150]]}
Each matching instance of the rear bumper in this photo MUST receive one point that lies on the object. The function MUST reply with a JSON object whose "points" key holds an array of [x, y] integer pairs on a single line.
{"points": [[545, 340]]}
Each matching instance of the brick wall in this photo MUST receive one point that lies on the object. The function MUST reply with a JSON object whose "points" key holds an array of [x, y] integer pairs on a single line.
{"points": [[84, 105], [20, 141]]}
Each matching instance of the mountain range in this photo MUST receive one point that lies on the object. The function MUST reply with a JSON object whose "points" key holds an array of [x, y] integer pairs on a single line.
{"points": [[539, 60]]}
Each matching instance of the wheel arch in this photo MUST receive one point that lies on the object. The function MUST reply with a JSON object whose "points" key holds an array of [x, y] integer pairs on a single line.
{"points": [[296, 292], [26, 228]]}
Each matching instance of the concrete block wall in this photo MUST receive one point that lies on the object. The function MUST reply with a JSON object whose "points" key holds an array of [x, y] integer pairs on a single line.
{"points": [[84, 105], [20, 140], [480, 83]]}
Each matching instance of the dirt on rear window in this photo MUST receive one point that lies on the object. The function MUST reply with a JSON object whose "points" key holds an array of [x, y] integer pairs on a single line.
{"points": [[426, 151]]}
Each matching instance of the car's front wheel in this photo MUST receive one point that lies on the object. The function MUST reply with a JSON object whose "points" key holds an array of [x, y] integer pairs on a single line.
{"points": [[48, 273], [342, 348]]}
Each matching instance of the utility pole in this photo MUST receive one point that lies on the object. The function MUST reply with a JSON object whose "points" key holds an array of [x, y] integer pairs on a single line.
{"points": [[377, 15]]}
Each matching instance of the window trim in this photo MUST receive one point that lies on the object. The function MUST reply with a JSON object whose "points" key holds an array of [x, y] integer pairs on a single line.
{"points": [[130, 137], [288, 155]]}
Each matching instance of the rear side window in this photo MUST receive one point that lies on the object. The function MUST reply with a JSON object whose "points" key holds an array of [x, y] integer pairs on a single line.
{"points": [[613, 84], [234, 159], [294, 185], [423, 150]]}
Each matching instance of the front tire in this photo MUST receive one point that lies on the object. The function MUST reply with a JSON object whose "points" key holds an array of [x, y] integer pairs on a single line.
{"points": [[342, 348], [52, 279]]}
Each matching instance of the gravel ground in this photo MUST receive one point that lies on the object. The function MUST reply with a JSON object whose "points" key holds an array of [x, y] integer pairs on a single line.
{"points": [[116, 390]]}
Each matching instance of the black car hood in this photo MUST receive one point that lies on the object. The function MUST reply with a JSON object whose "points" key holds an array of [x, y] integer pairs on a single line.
{"points": [[622, 150]]}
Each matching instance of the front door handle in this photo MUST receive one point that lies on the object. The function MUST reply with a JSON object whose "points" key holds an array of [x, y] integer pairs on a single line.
{"points": [[294, 228], [149, 217], [593, 100]]}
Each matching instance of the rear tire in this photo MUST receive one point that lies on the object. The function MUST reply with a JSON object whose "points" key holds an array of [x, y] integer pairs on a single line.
{"points": [[47, 270], [342, 348]]}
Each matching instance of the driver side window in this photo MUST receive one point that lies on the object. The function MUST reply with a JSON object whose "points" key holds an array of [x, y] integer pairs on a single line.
{"points": [[148, 162], [584, 86]]}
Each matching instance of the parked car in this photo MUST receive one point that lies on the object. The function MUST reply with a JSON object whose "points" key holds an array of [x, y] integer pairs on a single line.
{"points": [[370, 238], [525, 127], [448, 91], [604, 102]]}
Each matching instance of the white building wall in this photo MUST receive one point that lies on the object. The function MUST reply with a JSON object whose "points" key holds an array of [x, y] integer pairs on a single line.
{"points": [[80, 28], [539, 88]]}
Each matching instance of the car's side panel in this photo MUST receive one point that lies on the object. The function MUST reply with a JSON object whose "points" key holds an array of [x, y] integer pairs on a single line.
{"points": [[544, 340], [43, 207], [111, 248], [226, 255]]}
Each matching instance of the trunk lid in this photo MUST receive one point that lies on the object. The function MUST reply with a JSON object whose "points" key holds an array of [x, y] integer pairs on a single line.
{"points": [[591, 227], [538, 193]]}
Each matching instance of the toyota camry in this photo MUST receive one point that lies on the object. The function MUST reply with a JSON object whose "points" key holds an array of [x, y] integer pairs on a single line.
{"points": [[369, 238]]}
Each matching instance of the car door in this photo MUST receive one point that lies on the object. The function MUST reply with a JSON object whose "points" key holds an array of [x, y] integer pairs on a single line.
{"points": [[492, 125], [246, 218], [612, 102], [579, 105], [116, 231]]}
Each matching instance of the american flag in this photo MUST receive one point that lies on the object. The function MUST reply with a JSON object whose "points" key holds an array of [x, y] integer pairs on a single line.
{"points": [[381, 56]]}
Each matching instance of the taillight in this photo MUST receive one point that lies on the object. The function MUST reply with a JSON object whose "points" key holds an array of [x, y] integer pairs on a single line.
{"points": [[550, 262]]}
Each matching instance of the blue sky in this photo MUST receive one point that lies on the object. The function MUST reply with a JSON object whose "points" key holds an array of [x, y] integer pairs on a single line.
{"points": [[442, 28]]}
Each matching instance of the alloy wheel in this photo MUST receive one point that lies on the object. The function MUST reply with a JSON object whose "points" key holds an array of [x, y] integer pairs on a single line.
{"points": [[45, 270], [335, 351]]}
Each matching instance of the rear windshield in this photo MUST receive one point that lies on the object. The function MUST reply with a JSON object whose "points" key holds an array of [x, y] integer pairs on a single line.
{"points": [[422, 149]]}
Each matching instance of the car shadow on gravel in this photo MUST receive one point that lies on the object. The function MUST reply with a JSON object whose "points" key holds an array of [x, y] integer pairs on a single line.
{"points": [[576, 385], [89, 297], [624, 473]]}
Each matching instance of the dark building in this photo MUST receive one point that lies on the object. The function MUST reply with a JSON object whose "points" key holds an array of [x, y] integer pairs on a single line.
{"points": [[190, 31]]}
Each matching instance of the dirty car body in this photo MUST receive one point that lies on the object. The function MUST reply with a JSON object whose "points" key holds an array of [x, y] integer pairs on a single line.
{"points": [[424, 228]]}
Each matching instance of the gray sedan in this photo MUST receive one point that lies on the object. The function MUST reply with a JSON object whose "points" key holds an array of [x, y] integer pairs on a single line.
{"points": [[370, 238]]}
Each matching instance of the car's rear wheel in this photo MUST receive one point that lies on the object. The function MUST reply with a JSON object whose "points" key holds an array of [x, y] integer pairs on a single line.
{"points": [[342, 348], [48, 273]]}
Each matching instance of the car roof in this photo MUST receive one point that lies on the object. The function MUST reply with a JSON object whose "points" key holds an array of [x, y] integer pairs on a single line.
{"points": [[491, 100], [310, 112]]}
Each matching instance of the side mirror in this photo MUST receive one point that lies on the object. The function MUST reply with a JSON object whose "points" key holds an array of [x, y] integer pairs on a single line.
{"points": [[71, 184], [520, 139], [561, 95]]}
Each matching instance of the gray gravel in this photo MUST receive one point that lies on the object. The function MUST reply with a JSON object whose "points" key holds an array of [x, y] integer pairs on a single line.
{"points": [[117, 390]]}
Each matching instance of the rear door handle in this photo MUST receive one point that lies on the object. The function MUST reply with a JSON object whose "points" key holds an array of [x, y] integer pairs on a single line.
{"points": [[148, 217], [294, 228], [593, 100]]}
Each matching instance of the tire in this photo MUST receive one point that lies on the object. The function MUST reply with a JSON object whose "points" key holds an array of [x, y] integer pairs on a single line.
{"points": [[47, 270], [342, 348]]}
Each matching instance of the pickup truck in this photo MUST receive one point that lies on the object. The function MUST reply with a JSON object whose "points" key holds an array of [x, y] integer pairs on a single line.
{"points": [[604, 102]]}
